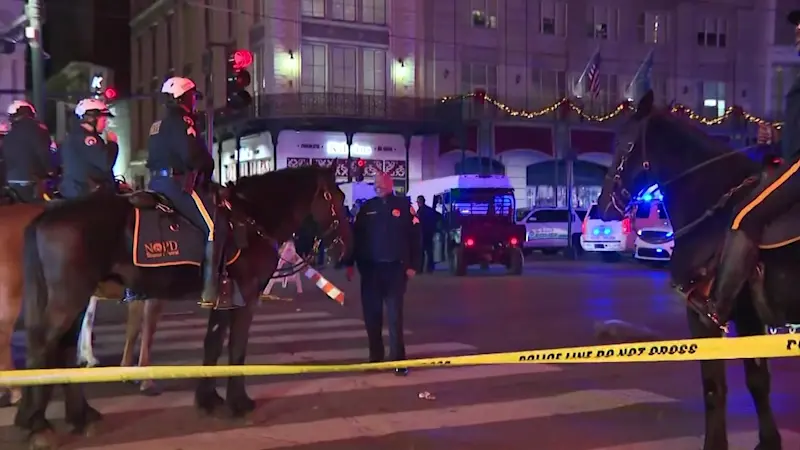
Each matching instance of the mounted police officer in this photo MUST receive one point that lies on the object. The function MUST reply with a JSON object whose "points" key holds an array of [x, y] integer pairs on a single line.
{"points": [[777, 194], [88, 159], [180, 169], [27, 152]]}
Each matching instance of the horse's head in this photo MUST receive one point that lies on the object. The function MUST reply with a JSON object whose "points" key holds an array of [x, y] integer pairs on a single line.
{"points": [[693, 169], [630, 163], [280, 201]]}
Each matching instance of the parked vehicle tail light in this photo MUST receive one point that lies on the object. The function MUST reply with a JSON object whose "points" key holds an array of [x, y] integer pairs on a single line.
{"points": [[626, 225], [469, 242], [583, 226], [513, 241]]}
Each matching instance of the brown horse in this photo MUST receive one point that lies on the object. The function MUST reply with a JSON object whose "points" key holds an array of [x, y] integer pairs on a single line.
{"points": [[141, 241], [13, 220]]}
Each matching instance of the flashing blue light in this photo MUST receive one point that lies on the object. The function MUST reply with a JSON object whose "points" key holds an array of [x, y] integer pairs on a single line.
{"points": [[607, 231], [670, 234], [647, 197], [596, 232]]}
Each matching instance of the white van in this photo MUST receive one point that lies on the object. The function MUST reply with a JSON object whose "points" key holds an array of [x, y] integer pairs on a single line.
{"points": [[609, 238], [546, 228]]}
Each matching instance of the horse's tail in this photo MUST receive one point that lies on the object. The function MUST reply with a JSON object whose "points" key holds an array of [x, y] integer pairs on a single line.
{"points": [[35, 286]]}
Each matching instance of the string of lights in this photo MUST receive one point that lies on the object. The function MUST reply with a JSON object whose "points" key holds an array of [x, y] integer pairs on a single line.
{"points": [[580, 110]]}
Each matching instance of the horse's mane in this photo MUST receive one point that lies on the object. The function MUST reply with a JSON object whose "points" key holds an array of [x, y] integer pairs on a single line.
{"points": [[280, 191]]}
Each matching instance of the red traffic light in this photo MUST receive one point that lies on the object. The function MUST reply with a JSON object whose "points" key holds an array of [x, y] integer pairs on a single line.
{"points": [[241, 59], [110, 94], [361, 163]]}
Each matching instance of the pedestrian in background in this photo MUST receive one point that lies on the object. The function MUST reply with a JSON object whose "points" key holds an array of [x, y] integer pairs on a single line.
{"points": [[387, 253], [430, 221]]}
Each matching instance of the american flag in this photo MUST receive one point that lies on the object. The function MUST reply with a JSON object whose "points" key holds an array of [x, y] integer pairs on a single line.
{"points": [[593, 75]]}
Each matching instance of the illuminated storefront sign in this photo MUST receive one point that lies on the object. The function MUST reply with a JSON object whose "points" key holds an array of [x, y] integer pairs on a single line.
{"points": [[337, 148]]}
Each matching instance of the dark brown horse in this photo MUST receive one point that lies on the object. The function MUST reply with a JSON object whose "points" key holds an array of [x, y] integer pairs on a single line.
{"points": [[73, 246], [702, 180]]}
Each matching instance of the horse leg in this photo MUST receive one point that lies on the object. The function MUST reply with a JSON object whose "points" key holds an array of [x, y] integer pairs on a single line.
{"points": [[237, 399], [85, 351], [79, 415], [9, 396], [10, 306], [206, 397], [715, 388], [132, 328], [152, 313], [758, 380]]}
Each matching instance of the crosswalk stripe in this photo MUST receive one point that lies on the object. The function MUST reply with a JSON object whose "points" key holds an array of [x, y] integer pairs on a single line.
{"points": [[102, 349], [257, 328], [736, 441], [203, 321], [339, 355], [376, 425], [297, 388]]}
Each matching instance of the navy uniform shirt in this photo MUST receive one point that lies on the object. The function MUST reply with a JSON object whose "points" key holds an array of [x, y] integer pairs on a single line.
{"points": [[27, 151], [87, 162], [387, 230], [790, 137], [174, 145]]}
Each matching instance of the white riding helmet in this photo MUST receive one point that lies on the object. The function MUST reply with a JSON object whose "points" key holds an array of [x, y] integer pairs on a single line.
{"points": [[92, 105], [14, 107], [177, 86], [4, 128]]}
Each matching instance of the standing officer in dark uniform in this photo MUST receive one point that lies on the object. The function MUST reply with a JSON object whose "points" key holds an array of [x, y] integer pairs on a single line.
{"points": [[88, 160], [776, 195], [27, 152], [180, 169], [387, 252], [430, 220]]}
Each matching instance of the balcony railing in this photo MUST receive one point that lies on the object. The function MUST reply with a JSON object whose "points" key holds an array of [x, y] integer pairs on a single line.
{"points": [[353, 106]]}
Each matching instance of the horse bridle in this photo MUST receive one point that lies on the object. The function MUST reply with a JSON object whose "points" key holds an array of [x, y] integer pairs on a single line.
{"points": [[617, 183], [295, 267]]}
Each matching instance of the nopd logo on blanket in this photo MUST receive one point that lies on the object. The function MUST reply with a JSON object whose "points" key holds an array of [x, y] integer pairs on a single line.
{"points": [[160, 249]]}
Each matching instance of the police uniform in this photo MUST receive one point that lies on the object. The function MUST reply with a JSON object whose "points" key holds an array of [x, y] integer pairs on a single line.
{"points": [[87, 162], [27, 153], [387, 243], [779, 192], [176, 154]]}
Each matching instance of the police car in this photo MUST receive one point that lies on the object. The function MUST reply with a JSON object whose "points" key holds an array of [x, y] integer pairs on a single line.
{"points": [[654, 234], [547, 229], [608, 238]]}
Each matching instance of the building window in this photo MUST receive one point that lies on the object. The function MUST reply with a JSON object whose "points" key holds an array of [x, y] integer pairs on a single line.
{"points": [[547, 86], [484, 13], [343, 10], [374, 70], [154, 51], [713, 94], [602, 23], [479, 76], [553, 18], [314, 68], [652, 28], [713, 33], [140, 58], [313, 8], [170, 21], [609, 95], [373, 11], [344, 77]]}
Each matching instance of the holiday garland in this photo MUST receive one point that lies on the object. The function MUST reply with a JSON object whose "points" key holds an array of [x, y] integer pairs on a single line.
{"points": [[619, 109]]}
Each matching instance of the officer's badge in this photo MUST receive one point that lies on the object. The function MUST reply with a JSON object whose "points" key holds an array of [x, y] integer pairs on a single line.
{"points": [[90, 141], [396, 212]]}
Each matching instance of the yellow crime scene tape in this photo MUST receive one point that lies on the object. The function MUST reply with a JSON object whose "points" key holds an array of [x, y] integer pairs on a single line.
{"points": [[769, 346]]}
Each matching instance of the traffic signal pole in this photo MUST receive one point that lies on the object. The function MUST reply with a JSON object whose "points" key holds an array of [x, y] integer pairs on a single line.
{"points": [[33, 32]]}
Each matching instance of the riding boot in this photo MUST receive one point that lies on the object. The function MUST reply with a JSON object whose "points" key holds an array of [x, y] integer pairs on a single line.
{"points": [[737, 263], [210, 296]]}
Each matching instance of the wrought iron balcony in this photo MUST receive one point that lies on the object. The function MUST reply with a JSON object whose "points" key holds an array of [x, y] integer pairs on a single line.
{"points": [[354, 106]]}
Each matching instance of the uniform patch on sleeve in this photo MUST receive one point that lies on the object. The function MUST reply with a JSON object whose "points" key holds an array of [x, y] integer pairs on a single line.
{"points": [[90, 141], [155, 128], [188, 121]]}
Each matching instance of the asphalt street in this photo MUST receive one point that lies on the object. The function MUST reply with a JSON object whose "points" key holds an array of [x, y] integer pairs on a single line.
{"points": [[556, 303]]}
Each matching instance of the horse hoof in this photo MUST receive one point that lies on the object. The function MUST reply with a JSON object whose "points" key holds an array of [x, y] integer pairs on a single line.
{"points": [[208, 403], [241, 406], [150, 390], [5, 400], [43, 440]]}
